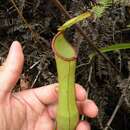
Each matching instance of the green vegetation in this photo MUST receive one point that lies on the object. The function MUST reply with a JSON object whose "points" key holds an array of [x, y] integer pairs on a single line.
{"points": [[65, 56]]}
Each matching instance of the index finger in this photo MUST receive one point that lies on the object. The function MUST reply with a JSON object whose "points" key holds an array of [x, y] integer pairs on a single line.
{"points": [[88, 108], [49, 94]]}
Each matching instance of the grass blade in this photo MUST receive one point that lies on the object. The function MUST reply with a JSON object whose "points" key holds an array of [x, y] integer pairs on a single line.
{"points": [[112, 48]]}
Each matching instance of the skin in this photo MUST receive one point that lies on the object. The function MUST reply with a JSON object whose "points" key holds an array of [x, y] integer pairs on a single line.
{"points": [[33, 109]]}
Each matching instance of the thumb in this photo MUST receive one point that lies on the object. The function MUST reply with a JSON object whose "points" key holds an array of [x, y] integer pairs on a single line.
{"points": [[12, 68]]}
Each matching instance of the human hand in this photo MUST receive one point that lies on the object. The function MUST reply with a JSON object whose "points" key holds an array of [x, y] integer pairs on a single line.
{"points": [[33, 109]]}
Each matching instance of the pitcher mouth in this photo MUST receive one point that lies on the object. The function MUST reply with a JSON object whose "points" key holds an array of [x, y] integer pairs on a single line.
{"points": [[62, 48]]}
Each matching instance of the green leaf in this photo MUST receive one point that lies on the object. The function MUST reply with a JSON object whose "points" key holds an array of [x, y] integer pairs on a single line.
{"points": [[112, 48], [65, 56], [74, 20], [128, 26], [101, 7]]}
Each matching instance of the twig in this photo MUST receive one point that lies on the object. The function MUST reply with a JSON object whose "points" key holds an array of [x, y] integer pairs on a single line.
{"points": [[4, 46], [100, 122], [62, 9], [81, 65], [90, 74], [36, 78], [115, 111], [32, 66]]}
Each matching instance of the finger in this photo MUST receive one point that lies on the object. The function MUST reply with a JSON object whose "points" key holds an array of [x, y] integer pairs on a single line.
{"points": [[83, 125], [45, 96], [39, 97], [12, 67], [49, 94], [88, 108], [80, 93], [44, 122], [52, 111]]}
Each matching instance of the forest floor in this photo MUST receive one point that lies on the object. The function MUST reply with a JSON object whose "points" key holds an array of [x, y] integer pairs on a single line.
{"points": [[109, 89]]}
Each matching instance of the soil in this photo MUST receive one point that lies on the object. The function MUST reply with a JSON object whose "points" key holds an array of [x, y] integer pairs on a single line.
{"points": [[106, 87]]}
